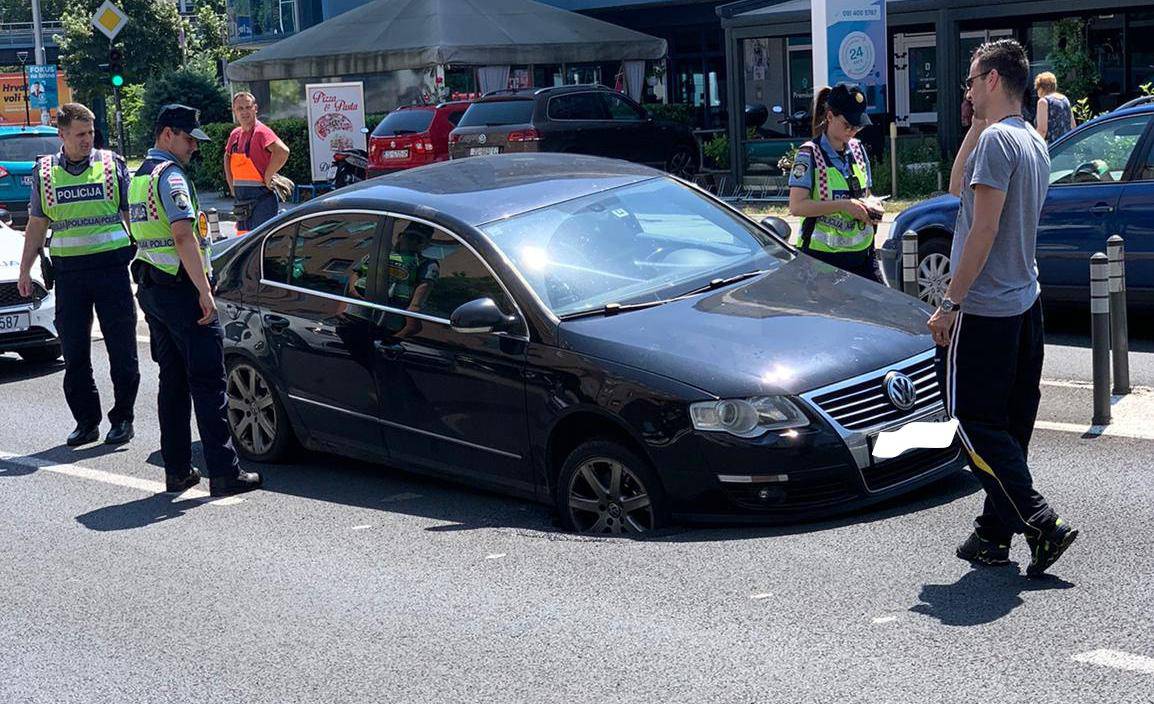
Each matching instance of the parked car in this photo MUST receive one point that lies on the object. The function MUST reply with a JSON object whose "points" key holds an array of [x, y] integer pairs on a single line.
{"points": [[413, 135], [19, 147], [585, 332], [1101, 184], [27, 325], [581, 119]]}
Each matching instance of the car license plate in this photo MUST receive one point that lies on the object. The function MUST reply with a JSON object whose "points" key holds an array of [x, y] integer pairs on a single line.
{"points": [[484, 151], [397, 154], [14, 322], [26, 180]]}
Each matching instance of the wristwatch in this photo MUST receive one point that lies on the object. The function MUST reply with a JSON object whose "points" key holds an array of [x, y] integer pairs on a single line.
{"points": [[949, 306]]}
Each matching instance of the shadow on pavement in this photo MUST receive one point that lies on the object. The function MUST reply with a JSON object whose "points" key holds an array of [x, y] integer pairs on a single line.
{"points": [[982, 595], [137, 514], [12, 368], [61, 454]]}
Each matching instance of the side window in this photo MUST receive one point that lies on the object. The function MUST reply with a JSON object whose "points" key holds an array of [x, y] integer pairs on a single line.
{"points": [[577, 106], [454, 118], [1098, 154], [622, 110], [332, 254], [277, 252], [431, 272]]}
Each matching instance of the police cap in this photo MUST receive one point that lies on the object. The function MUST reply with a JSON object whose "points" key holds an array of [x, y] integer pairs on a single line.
{"points": [[847, 100], [183, 118]]}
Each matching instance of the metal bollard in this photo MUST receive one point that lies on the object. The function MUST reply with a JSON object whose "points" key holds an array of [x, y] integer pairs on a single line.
{"points": [[1119, 326], [910, 262], [213, 225], [1100, 335]]}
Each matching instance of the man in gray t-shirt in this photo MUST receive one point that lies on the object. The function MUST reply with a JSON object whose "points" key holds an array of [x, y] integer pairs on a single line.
{"points": [[989, 326]]}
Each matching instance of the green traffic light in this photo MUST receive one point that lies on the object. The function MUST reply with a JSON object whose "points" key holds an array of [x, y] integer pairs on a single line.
{"points": [[118, 80]]}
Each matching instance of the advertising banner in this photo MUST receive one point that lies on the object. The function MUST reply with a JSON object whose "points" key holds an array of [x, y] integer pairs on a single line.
{"points": [[336, 118], [849, 46], [47, 87]]}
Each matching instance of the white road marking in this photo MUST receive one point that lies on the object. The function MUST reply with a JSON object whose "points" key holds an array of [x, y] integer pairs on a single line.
{"points": [[762, 595], [1097, 430], [495, 556], [364, 527], [145, 485], [885, 619], [400, 497], [1118, 660]]}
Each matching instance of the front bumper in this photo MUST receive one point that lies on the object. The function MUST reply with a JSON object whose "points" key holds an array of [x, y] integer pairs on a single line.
{"points": [[42, 328]]}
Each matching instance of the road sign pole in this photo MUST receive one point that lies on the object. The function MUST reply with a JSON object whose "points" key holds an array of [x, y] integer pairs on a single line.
{"points": [[119, 122]]}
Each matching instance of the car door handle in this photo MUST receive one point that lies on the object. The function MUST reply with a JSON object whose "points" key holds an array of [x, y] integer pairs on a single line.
{"points": [[1102, 209], [276, 322], [389, 350]]}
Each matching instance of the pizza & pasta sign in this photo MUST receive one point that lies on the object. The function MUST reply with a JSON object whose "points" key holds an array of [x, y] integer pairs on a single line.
{"points": [[336, 117]]}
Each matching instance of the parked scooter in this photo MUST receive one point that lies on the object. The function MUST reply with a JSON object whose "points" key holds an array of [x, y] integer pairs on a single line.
{"points": [[350, 166], [757, 115]]}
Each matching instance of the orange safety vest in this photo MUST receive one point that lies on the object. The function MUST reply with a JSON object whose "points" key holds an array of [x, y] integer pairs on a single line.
{"points": [[244, 171]]}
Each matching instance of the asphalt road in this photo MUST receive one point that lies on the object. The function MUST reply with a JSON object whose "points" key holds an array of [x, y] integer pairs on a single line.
{"points": [[349, 582]]}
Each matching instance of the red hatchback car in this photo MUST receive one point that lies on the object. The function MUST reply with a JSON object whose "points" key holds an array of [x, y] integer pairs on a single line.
{"points": [[413, 135]]}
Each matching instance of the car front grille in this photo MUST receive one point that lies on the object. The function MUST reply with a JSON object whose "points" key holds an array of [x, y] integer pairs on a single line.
{"points": [[907, 466], [10, 295], [865, 404]]}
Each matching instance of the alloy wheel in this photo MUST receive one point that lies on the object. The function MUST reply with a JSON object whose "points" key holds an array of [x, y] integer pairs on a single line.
{"points": [[933, 278], [605, 496], [251, 410]]}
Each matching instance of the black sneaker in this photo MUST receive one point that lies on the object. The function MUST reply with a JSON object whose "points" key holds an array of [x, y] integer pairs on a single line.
{"points": [[978, 550], [179, 484], [1046, 550], [227, 486]]}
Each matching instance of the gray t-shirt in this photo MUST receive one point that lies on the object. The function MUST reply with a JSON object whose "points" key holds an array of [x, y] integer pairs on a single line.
{"points": [[1011, 157]]}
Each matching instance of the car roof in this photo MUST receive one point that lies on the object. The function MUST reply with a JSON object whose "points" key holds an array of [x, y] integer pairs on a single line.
{"points": [[481, 189], [527, 93], [10, 130]]}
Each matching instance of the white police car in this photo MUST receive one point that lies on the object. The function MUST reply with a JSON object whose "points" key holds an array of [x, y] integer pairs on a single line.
{"points": [[27, 325]]}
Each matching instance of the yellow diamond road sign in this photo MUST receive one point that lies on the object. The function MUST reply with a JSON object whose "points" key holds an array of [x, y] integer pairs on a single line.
{"points": [[109, 19]]}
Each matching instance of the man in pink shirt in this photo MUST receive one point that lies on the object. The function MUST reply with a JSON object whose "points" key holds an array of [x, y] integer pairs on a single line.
{"points": [[253, 155]]}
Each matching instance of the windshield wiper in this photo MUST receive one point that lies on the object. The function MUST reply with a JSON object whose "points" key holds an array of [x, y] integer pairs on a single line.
{"points": [[718, 283], [613, 309]]}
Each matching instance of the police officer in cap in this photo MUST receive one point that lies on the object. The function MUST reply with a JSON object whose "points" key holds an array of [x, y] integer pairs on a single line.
{"points": [[830, 182], [82, 194], [172, 269]]}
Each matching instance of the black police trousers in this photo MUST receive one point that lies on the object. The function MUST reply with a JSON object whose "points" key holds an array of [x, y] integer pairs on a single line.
{"points": [[191, 361], [107, 290], [991, 373]]}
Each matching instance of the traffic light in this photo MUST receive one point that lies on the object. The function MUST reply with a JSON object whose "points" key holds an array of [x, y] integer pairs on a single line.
{"points": [[116, 66]]}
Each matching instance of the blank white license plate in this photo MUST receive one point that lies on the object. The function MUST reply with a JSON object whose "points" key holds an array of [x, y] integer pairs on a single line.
{"points": [[14, 322], [397, 154], [484, 151]]}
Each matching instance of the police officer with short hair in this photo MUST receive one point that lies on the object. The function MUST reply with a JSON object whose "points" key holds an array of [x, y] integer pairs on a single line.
{"points": [[82, 194], [830, 183], [172, 268]]}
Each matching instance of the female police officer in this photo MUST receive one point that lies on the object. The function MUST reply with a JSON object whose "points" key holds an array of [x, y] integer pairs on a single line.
{"points": [[829, 185]]}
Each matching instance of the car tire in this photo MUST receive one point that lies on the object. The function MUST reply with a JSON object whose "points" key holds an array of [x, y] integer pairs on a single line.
{"points": [[260, 428], [681, 162], [588, 502], [933, 269], [41, 355]]}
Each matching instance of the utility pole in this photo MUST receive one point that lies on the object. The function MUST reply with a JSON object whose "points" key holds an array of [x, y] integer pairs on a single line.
{"points": [[23, 56], [38, 32]]}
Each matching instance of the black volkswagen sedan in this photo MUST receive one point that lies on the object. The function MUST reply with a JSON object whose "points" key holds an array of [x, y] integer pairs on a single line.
{"points": [[585, 332]]}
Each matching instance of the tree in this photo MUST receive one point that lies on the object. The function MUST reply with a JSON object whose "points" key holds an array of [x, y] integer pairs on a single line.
{"points": [[190, 88], [149, 39], [21, 10], [1076, 71]]}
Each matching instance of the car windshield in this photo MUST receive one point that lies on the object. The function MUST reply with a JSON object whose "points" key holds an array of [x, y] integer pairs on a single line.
{"points": [[404, 122], [645, 242], [27, 147], [498, 112]]}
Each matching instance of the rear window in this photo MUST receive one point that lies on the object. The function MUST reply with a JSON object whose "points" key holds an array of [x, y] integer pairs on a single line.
{"points": [[27, 147], [498, 112], [404, 122]]}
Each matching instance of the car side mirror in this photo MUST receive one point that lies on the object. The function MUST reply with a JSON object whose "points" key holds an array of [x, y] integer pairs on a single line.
{"points": [[364, 130], [777, 226], [5, 216], [480, 316]]}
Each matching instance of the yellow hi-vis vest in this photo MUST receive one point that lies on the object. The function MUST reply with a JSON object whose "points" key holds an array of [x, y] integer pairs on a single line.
{"points": [[151, 227], [838, 232], [84, 209]]}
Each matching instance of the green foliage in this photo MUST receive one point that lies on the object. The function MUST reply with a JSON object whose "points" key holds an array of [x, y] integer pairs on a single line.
{"points": [[21, 10], [1082, 110], [716, 150], [189, 88], [919, 163], [150, 39], [672, 113], [1073, 65], [132, 103]]}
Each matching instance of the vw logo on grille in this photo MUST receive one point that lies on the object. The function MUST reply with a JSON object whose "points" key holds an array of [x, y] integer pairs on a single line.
{"points": [[901, 390], [482, 138]]}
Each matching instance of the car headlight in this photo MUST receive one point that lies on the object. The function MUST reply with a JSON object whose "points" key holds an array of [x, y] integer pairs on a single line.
{"points": [[747, 418]]}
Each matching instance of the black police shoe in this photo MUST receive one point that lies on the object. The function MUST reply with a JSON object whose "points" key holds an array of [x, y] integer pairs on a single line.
{"points": [[83, 435], [1046, 549], [984, 552], [121, 433], [227, 486], [176, 484]]}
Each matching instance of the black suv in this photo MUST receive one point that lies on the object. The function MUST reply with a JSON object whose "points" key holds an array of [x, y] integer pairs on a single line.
{"points": [[582, 119]]}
